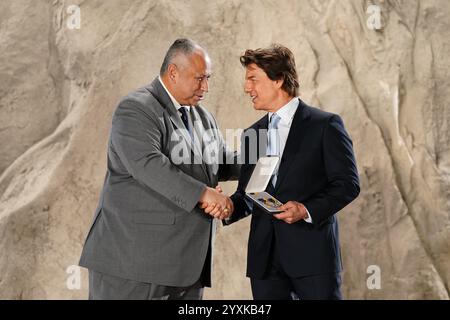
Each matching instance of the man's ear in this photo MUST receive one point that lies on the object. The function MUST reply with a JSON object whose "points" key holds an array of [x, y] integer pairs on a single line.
{"points": [[172, 72], [279, 83]]}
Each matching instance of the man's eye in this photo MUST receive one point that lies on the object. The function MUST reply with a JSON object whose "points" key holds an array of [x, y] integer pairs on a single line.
{"points": [[200, 79]]}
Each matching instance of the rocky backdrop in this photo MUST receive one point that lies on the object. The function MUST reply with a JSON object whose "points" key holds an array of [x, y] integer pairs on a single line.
{"points": [[382, 65]]}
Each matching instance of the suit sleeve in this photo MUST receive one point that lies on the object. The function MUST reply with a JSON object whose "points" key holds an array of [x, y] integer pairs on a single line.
{"points": [[136, 138], [342, 174], [229, 167], [242, 205]]}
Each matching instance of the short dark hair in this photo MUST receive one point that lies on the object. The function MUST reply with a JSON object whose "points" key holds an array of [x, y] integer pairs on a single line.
{"points": [[182, 45], [278, 63]]}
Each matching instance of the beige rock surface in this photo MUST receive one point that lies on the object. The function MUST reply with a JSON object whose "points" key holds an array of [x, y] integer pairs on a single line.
{"points": [[59, 87]]}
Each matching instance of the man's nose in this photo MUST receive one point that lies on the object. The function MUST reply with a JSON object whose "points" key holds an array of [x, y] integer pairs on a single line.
{"points": [[204, 85]]}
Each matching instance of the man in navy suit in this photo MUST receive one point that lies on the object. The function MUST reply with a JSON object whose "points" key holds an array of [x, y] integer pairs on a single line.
{"points": [[293, 254]]}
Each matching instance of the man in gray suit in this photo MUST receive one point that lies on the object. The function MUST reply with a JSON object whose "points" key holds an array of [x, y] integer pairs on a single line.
{"points": [[149, 238]]}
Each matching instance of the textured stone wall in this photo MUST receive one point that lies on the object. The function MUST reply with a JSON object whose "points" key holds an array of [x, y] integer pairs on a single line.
{"points": [[59, 87]]}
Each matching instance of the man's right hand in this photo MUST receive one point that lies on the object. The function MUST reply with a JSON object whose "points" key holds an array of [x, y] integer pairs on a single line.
{"points": [[216, 204]]}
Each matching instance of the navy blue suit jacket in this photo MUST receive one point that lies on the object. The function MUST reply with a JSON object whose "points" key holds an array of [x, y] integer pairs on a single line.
{"points": [[318, 169]]}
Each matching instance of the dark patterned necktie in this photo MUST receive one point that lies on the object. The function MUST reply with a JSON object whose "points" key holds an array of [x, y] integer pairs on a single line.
{"points": [[184, 117]]}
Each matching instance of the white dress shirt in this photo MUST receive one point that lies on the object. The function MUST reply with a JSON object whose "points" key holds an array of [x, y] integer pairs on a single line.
{"points": [[174, 101], [286, 113]]}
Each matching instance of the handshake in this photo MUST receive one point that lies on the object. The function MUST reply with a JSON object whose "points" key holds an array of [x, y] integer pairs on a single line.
{"points": [[216, 204]]}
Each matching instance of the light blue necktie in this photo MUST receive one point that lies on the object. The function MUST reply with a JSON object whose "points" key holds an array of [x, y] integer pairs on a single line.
{"points": [[273, 145]]}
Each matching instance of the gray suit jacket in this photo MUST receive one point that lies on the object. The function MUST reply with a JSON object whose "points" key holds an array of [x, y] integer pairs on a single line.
{"points": [[147, 226]]}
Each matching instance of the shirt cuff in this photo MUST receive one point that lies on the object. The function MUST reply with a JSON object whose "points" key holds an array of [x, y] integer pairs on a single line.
{"points": [[308, 218]]}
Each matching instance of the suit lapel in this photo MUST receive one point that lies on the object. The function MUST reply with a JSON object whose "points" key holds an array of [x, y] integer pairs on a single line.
{"points": [[261, 133], [294, 141], [163, 98], [160, 94], [198, 130], [249, 148]]}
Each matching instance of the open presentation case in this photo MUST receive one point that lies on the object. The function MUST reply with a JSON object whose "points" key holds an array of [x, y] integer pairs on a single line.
{"points": [[261, 175]]}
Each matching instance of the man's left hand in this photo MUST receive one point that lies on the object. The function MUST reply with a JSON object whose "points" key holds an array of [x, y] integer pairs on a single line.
{"points": [[293, 212]]}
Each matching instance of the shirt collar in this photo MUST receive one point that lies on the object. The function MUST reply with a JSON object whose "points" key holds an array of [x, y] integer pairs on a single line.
{"points": [[287, 112], [174, 101]]}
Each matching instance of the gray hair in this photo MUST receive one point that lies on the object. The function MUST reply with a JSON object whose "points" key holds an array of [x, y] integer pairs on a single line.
{"points": [[183, 46]]}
